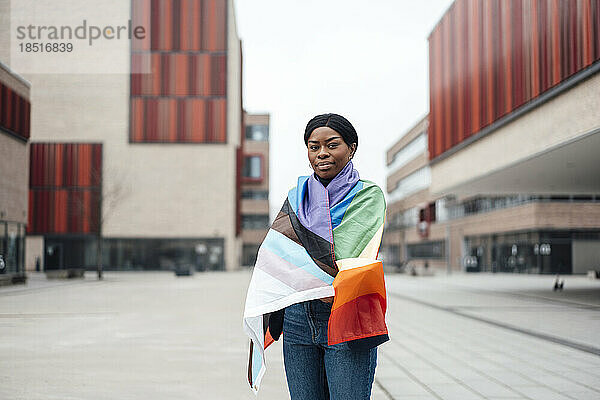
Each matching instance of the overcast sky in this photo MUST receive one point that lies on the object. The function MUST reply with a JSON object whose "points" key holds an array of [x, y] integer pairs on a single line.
{"points": [[364, 60]]}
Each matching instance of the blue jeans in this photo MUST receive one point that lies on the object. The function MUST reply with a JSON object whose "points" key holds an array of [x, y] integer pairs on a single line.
{"points": [[316, 371]]}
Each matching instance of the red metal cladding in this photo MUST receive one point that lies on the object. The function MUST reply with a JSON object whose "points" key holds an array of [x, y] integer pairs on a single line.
{"points": [[185, 120], [14, 112], [65, 188], [182, 99], [487, 59]]}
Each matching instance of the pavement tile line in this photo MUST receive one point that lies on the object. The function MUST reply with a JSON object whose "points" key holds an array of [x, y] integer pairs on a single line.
{"points": [[543, 336], [59, 314], [523, 350], [412, 377], [541, 299], [387, 394], [11, 291], [444, 372], [485, 344], [524, 361], [479, 372]]}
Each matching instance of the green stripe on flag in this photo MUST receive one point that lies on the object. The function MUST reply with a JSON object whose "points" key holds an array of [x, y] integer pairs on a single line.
{"points": [[362, 219]]}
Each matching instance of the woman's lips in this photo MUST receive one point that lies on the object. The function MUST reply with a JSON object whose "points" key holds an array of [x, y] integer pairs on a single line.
{"points": [[324, 166]]}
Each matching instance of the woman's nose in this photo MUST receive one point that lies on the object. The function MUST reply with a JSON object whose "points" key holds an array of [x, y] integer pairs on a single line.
{"points": [[323, 153]]}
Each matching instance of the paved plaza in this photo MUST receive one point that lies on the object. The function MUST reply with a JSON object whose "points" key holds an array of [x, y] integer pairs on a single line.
{"points": [[156, 336]]}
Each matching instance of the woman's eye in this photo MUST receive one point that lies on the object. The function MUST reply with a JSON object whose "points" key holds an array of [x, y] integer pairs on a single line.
{"points": [[314, 147], [333, 145]]}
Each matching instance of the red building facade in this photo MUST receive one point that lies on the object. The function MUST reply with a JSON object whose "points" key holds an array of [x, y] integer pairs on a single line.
{"points": [[487, 59], [65, 188], [183, 98], [15, 112]]}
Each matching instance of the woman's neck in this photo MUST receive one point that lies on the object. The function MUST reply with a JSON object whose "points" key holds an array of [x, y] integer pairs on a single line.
{"points": [[323, 181]]}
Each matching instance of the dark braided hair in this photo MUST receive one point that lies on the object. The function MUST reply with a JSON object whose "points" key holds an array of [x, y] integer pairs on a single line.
{"points": [[336, 122]]}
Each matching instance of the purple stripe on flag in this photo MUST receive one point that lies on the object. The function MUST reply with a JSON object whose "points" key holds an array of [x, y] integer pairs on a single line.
{"points": [[317, 200]]}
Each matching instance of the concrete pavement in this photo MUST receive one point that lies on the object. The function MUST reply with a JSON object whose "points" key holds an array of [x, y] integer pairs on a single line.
{"points": [[154, 336], [486, 336]]}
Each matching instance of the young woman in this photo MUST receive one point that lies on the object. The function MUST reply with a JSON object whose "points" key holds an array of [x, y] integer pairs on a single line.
{"points": [[323, 242]]}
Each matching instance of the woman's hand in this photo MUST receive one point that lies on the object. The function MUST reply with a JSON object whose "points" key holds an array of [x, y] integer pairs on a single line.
{"points": [[327, 299]]}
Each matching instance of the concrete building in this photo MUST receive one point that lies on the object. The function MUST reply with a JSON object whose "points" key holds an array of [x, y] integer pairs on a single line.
{"points": [[14, 173], [255, 186], [507, 177], [145, 163]]}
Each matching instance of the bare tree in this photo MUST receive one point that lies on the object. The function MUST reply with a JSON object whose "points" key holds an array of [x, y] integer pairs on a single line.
{"points": [[112, 192]]}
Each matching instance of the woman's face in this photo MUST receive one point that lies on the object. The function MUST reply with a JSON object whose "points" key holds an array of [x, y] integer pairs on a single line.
{"points": [[327, 152]]}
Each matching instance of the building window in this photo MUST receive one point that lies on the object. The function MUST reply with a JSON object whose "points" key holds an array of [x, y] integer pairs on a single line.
{"points": [[417, 146], [255, 194], [249, 253], [252, 167], [418, 180], [255, 221], [427, 250], [12, 247], [258, 133], [203, 254], [391, 254]]}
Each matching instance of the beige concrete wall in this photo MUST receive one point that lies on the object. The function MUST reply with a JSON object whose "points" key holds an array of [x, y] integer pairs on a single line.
{"points": [[564, 118], [405, 139], [253, 236], [234, 79], [5, 31], [586, 256], [34, 247], [413, 165], [13, 81], [255, 206], [565, 215], [257, 119], [418, 198], [14, 178], [254, 146]]}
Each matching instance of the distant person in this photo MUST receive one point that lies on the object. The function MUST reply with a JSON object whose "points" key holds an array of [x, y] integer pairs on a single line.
{"points": [[558, 283], [330, 226]]}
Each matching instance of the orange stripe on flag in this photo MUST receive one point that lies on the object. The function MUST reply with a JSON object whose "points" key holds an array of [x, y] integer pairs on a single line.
{"points": [[268, 339], [359, 304], [355, 282]]}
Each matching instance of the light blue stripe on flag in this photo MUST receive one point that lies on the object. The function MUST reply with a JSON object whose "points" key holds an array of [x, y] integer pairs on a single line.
{"points": [[296, 194], [256, 364], [295, 254]]}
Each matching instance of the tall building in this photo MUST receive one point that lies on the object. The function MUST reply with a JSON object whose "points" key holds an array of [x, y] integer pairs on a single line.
{"points": [[513, 135], [255, 185], [146, 161], [14, 173]]}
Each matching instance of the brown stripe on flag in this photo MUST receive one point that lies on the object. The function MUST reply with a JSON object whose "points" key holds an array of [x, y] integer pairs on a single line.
{"points": [[250, 363], [283, 225]]}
